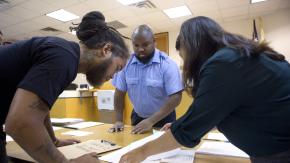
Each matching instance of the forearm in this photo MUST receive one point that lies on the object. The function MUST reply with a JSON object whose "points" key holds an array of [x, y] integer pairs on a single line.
{"points": [[48, 126], [167, 108], [25, 123], [35, 140], [119, 103], [167, 138]]}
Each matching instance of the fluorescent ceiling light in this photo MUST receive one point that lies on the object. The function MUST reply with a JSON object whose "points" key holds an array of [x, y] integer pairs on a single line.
{"points": [[177, 12], [256, 1], [62, 15], [129, 2]]}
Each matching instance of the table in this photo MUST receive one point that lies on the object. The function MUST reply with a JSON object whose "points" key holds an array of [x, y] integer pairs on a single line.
{"points": [[122, 138]]}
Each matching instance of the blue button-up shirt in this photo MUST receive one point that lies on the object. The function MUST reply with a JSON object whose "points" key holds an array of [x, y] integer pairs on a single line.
{"points": [[149, 85]]}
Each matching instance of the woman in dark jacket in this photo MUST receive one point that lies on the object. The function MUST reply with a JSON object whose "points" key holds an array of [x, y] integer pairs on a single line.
{"points": [[240, 86]]}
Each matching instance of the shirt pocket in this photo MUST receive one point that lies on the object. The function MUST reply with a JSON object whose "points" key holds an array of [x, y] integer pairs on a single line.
{"points": [[132, 86], [155, 88]]}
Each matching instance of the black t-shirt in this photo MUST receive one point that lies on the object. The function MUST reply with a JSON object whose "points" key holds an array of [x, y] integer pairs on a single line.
{"points": [[42, 65]]}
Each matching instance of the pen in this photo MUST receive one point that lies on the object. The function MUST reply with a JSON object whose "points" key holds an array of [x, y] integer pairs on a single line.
{"points": [[105, 141]]}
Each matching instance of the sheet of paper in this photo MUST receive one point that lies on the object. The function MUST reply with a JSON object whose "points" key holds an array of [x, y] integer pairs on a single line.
{"points": [[173, 156], [114, 157], [183, 156], [163, 155], [55, 128], [9, 138], [98, 146], [77, 133], [221, 148], [82, 125], [217, 136], [65, 121]]}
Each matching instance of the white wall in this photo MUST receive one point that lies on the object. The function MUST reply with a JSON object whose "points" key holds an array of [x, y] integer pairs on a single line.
{"points": [[276, 28], [277, 31]]}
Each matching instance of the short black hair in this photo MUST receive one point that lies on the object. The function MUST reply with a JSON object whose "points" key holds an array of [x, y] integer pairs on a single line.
{"points": [[142, 29]]}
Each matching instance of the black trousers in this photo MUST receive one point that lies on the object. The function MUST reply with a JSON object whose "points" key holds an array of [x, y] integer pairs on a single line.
{"points": [[135, 119], [283, 157], [3, 154]]}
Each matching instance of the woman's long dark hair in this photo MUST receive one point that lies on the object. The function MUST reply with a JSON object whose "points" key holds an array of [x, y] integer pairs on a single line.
{"points": [[201, 37]]}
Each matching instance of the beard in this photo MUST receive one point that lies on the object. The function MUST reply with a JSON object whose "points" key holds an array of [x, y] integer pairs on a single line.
{"points": [[97, 73], [146, 59]]}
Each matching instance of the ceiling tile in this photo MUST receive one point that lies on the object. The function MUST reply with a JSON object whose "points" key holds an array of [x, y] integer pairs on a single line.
{"points": [[284, 4], [214, 14], [21, 13], [37, 6], [202, 5], [7, 20], [165, 4], [155, 17], [46, 21], [103, 5], [133, 21], [236, 11], [224, 4], [56, 4], [79, 9], [119, 13]]}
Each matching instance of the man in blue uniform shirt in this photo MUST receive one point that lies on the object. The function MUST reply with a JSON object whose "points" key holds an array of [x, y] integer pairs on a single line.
{"points": [[153, 83]]}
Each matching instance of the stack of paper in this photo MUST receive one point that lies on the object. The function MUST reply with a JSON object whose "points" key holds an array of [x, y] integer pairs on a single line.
{"points": [[173, 156], [65, 121], [82, 125], [221, 148], [98, 146], [115, 157]]}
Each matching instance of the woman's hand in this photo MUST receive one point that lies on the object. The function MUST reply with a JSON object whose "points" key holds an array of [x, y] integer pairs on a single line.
{"points": [[134, 156], [166, 127]]}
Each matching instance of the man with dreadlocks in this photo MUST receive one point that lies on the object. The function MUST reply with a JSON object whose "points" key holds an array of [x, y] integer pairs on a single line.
{"points": [[34, 73]]}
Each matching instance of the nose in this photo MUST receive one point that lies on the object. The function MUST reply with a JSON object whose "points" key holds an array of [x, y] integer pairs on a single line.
{"points": [[140, 49]]}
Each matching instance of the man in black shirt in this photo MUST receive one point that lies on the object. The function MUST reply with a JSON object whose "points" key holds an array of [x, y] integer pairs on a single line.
{"points": [[34, 72]]}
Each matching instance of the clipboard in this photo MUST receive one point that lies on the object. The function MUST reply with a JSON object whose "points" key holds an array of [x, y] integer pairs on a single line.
{"points": [[98, 146]]}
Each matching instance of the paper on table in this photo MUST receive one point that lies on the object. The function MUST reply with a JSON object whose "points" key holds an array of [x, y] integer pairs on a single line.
{"points": [[221, 148], [98, 146], [184, 156], [176, 155], [115, 157], [64, 121], [55, 128], [163, 155], [77, 133], [9, 138], [217, 136], [83, 125]]}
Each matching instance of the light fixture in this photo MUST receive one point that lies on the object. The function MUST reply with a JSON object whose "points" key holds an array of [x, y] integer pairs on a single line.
{"points": [[62, 15], [129, 2], [176, 12], [256, 1]]}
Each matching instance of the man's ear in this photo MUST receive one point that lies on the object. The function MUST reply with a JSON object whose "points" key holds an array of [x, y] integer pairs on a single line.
{"points": [[107, 49]]}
